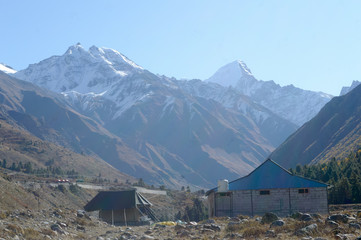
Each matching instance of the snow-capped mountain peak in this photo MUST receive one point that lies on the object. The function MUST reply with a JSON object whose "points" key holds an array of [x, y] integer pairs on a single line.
{"points": [[289, 102], [6, 69], [76, 49], [112, 56], [231, 73], [95, 70]]}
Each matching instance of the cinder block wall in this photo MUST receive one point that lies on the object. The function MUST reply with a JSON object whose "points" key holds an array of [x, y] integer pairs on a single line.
{"points": [[280, 201], [315, 201], [242, 203], [277, 202]]}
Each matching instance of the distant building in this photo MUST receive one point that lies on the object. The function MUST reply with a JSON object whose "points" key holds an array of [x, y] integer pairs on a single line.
{"points": [[122, 207], [269, 188]]}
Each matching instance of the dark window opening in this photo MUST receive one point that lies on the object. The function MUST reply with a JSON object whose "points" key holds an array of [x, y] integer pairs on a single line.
{"points": [[225, 194], [303, 190], [264, 192]]}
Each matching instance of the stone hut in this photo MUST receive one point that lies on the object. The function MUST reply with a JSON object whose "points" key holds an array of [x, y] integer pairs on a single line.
{"points": [[268, 188], [122, 207]]}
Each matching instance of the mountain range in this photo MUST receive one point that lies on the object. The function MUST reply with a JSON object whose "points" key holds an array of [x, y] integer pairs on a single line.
{"points": [[334, 132], [164, 130], [289, 102]]}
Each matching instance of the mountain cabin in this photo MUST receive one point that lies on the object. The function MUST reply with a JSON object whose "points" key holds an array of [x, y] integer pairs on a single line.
{"points": [[268, 188]]}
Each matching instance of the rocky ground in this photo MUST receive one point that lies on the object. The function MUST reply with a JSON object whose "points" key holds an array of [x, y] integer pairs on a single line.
{"points": [[41, 210], [75, 224]]}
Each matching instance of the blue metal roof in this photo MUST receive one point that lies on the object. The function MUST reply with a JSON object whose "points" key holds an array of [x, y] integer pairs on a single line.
{"points": [[271, 175]]}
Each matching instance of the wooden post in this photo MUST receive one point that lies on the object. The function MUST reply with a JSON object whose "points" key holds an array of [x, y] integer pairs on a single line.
{"points": [[125, 218]]}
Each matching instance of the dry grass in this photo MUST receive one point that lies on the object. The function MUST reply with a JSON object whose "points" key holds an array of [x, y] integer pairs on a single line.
{"points": [[81, 236], [253, 229], [3, 215], [48, 232], [31, 234], [84, 222], [14, 230]]}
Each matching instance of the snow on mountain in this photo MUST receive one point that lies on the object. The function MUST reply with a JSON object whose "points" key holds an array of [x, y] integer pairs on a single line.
{"points": [[272, 126], [292, 103], [7, 69], [84, 75], [230, 74], [345, 90], [227, 96], [80, 70]]}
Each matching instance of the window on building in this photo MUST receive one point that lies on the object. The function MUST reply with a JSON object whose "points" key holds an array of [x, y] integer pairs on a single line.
{"points": [[303, 190], [225, 194], [264, 192]]}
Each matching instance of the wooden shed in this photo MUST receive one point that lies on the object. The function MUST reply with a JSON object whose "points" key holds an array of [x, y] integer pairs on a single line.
{"points": [[122, 207], [268, 188]]}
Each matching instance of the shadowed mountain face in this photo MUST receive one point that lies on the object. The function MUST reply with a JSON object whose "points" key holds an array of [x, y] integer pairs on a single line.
{"points": [[36, 126], [334, 132], [174, 132]]}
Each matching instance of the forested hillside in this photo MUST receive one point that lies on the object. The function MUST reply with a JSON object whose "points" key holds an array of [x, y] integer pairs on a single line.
{"points": [[344, 177]]}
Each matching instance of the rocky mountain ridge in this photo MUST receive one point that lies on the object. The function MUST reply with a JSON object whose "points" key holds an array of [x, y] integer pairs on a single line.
{"points": [[335, 132], [185, 130], [289, 102]]}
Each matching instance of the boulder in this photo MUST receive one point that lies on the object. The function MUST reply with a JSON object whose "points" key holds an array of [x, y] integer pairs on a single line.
{"points": [[306, 217], [146, 237], [354, 225], [345, 236], [339, 218], [271, 233], [332, 224], [306, 230], [80, 228], [57, 228], [213, 227], [316, 215], [277, 223], [80, 213], [269, 217]]}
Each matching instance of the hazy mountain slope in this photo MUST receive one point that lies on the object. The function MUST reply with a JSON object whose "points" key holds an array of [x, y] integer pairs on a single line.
{"points": [[271, 126], [334, 132], [186, 132], [46, 117], [17, 145], [291, 103]]}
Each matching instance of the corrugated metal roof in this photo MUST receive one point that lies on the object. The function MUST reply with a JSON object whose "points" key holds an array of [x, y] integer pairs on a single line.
{"points": [[116, 200], [271, 175]]}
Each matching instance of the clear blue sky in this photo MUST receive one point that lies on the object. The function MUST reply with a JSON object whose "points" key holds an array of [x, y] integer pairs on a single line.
{"points": [[314, 45]]}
